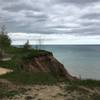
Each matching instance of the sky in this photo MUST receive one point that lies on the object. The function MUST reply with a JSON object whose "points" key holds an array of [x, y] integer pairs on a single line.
{"points": [[53, 21]]}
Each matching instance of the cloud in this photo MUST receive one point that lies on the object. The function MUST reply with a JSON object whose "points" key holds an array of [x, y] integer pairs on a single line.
{"points": [[38, 16], [71, 17], [91, 16], [9, 0], [82, 2], [52, 39], [17, 7]]}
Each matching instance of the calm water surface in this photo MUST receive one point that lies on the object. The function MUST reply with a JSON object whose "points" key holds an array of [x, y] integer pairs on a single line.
{"points": [[80, 60]]}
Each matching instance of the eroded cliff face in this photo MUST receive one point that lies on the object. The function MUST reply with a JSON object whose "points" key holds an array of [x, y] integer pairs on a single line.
{"points": [[47, 63]]}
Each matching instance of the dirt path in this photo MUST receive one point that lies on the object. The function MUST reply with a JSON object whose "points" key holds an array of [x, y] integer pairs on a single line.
{"points": [[4, 70]]}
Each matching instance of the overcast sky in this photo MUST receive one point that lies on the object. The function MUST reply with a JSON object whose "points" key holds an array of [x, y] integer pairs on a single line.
{"points": [[77, 19]]}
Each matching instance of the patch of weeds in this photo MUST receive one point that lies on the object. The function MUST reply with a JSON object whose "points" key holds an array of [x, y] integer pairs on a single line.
{"points": [[95, 97], [76, 88], [5, 93], [60, 94], [28, 78]]}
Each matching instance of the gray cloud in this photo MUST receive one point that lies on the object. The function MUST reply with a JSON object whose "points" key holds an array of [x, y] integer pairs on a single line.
{"points": [[19, 7], [77, 1], [91, 16], [79, 17], [9, 0], [37, 16]]}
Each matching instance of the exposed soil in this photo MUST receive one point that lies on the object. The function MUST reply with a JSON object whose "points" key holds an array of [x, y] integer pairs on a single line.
{"points": [[4, 70]]}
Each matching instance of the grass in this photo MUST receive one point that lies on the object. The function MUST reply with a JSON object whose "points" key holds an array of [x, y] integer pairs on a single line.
{"points": [[96, 97], [8, 64], [78, 84], [20, 51], [86, 89], [20, 54], [6, 93], [26, 78], [88, 83], [21, 77]]}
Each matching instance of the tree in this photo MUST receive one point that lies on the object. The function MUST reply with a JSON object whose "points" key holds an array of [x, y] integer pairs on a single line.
{"points": [[4, 39], [26, 46], [39, 43], [1, 55]]}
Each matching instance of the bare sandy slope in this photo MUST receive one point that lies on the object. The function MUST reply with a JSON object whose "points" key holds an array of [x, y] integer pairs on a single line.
{"points": [[4, 70], [55, 92], [58, 92], [41, 92]]}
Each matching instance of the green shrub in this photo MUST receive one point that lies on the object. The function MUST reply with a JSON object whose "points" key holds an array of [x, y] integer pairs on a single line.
{"points": [[8, 64]]}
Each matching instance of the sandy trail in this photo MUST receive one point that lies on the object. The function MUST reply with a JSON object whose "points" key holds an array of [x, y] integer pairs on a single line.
{"points": [[4, 70]]}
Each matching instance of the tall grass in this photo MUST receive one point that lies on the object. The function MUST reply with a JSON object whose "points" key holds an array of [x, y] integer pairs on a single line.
{"points": [[28, 78]]}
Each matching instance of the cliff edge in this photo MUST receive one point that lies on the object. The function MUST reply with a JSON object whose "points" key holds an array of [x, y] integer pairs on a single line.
{"points": [[47, 63]]}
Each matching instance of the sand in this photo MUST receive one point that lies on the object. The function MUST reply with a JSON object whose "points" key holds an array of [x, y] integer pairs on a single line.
{"points": [[4, 70], [41, 92]]}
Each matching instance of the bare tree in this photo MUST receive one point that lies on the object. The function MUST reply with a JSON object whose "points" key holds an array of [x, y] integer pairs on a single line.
{"points": [[3, 30], [39, 43]]}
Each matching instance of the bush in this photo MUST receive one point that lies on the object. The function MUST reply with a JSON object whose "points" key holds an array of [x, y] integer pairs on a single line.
{"points": [[4, 39]]}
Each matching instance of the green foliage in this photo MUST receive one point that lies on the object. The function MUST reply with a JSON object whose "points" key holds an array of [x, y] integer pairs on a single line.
{"points": [[7, 93], [26, 78], [1, 56], [75, 85], [9, 64], [4, 39], [88, 83], [21, 51], [19, 56], [26, 46], [96, 97]]}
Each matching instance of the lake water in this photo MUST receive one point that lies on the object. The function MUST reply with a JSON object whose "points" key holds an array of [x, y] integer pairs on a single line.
{"points": [[80, 60]]}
